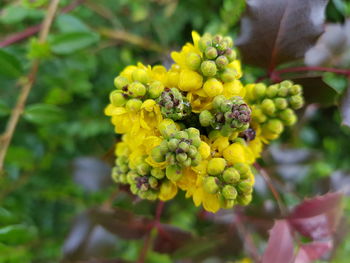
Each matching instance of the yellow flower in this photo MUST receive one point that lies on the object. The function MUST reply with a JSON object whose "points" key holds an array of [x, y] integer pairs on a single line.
{"points": [[234, 88], [190, 80], [238, 153], [167, 190]]}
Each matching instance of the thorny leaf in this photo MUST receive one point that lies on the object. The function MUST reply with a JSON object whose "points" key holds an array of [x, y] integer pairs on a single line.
{"points": [[278, 31], [317, 218]]}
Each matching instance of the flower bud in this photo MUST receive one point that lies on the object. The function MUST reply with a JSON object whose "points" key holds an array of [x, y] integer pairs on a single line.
{"points": [[157, 155], [295, 90], [153, 182], [140, 75], [210, 185], [193, 132], [190, 80], [268, 107], [204, 42], [242, 168], [143, 168], [120, 82], [216, 166], [196, 160], [184, 146], [217, 39], [230, 54], [208, 68], [244, 199], [205, 118], [157, 173], [288, 117], [229, 192], [167, 128], [283, 91], [173, 172], [181, 157], [245, 186], [231, 176], [296, 101], [204, 150], [155, 89], [133, 105], [211, 52], [228, 75], [258, 115], [228, 41], [117, 98], [213, 87], [173, 144], [193, 61], [259, 90], [173, 104], [217, 101], [272, 91], [281, 103], [221, 62], [136, 89], [181, 135]]}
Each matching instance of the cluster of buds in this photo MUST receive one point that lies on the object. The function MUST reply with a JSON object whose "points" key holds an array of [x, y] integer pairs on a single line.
{"points": [[179, 150], [227, 115], [173, 104], [233, 184], [273, 106], [120, 170]]}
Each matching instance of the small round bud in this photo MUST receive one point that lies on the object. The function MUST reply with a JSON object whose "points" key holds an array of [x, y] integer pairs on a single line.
{"points": [[244, 199], [296, 101], [157, 173], [155, 89], [192, 151], [117, 99], [205, 118], [143, 168], [230, 54], [184, 146], [286, 84], [173, 144], [242, 168], [181, 157], [216, 166], [134, 105], [137, 89], [228, 75], [196, 160], [193, 61], [173, 172], [259, 90], [281, 103], [140, 75], [245, 186], [283, 91], [181, 135], [204, 42], [268, 107], [272, 91], [208, 68], [217, 39], [288, 117], [274, 126], [167, 128], [157, 155], [211, 53], [295, 90], [120, 82], [210, 185], [204, 150], [229, 192], [228, 41], [231, 176], [221, 62], [193, 132], [217, 101], [153, 182], [213, 87]]}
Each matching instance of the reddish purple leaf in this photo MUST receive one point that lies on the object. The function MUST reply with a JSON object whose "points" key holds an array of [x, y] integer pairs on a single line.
{"points": [[313, 251], [345, 107], [278, 31], [317, 218], [280, 247]]}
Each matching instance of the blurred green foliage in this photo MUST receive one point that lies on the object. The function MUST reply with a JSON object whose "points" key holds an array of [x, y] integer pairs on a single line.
{"points": [[63, 120]]}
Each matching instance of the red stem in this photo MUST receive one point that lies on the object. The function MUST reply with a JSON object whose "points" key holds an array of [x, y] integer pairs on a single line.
{"points": [[324, 69], [19, 36]]}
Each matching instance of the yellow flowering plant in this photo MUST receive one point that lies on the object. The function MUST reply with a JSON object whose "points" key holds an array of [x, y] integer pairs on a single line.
{"points": [[195, 127]]}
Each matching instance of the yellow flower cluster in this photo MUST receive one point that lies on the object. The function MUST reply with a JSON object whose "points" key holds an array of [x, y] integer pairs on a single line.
{"points": [[195, 127]]}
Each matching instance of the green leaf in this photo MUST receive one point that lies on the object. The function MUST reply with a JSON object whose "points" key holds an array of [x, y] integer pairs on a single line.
{"points": [[336, 81], [17, 234], [4, 109], [70, 23], [67, 43], [13, 14], [43, 114], [6, 217], [10, 66]]}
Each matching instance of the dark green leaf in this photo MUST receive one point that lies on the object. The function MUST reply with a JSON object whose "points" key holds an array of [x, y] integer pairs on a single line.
{"points": [[278, 31], [67, 43], [10, 66], [17, 234], [43, 114], [70, 23]]}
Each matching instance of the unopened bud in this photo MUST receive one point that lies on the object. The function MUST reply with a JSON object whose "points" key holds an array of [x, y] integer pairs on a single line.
{"points": [[272, 90], [204, 42], [153, 182], [173, 172], [140, 75], [155, 89], [120, 82], [143, 168], [211, 53], [216, 166], [281, 103], [193, 61], [245, 186], [268, 107], [205, 118], [217, 101], [157, 173], [137, 89], [208, 68], [117, 99], [221, 62], [230, 54], [157, 155], [213, 87], [231, 176], [288, 117], [133, 105], [242, 168], [296, 101], [229, 192], [228, 75], [259, 90], [210, 185], [244, 199], [181, 157], [295, 90]]}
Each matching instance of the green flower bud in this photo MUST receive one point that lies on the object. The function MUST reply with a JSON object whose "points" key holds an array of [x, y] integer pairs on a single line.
{"points": [[151, 195], [196, 141], [133, 105], [228, 41], [230, 54], [131, 177], [259, 90], [193, 132], [208, 68], [140, 75], [155, 89], [288, 117], [181, 135], [231, 176], [245, 186], [274, 126], [210, 185], [184, 146], [281, 103], [143, 168], [173, 144], [229, 192], [181, 157], [173, 172], [117, 98], [205, 118], [295, 90], [226, 130], [211, 52], [170, 158], [216, 166], [157, 155], [286, 84], [218, 101], [217, 39], [187, 162], [244, 199], [153, 182], [163, 147], [296, 101], [272, 91], [283, 91], [268, 107], [193, 61], [221, 62], [120, 82], [157, 173], [192, 151], [227, 204], [242, 168], [196, 159], [258, 115], [204, 42], [136, 89], [228, 75]]}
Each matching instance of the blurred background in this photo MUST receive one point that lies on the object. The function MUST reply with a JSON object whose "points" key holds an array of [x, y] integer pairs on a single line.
{"points": [[57, 200]]}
